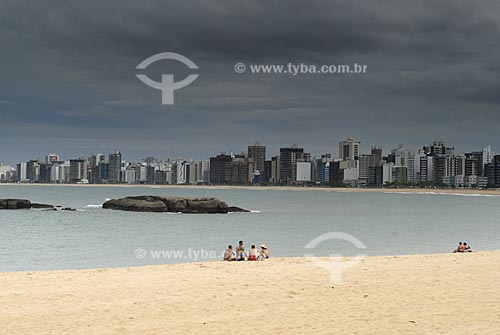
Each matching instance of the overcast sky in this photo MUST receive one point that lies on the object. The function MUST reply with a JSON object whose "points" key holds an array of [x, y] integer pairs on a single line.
{"points": [[68, 79]]}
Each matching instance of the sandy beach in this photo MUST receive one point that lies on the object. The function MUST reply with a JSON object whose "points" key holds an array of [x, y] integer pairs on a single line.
{"points": [[283, 188], [416, 294]]}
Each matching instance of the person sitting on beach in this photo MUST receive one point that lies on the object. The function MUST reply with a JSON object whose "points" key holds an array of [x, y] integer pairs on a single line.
{"points": [[264, 252], [253, 254], [460, 248], [467, 247], [241, 255], [229, 254]]}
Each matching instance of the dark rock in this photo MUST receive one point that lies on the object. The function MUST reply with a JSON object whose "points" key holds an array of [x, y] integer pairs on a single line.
{"points": [[15, 204], [68, 209], [234, 209], [137, 204], [44, 206], [151, 203], [26, 204]]}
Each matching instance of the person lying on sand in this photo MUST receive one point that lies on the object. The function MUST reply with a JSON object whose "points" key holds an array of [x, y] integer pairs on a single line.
{"points": [[264, 252], [241, 255], [467, 247], [229, 254], [253, 254]]}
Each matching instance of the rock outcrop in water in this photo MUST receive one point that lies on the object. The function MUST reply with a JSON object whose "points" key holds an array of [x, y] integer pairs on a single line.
{"points": [[26, 204], [15, 204], [152, 203]]}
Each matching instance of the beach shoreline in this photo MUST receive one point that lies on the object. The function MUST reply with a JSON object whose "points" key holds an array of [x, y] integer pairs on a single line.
{"points": [[450, 191], [408, 294]]}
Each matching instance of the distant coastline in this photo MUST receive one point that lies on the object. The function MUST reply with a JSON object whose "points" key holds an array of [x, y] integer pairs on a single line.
{"points": [[281, 188]]}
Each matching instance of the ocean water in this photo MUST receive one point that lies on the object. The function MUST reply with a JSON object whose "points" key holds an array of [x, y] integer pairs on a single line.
{"points": [[385, 224]]}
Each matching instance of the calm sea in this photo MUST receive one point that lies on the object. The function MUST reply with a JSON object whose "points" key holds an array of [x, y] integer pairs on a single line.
{"points": [[387, 224]]}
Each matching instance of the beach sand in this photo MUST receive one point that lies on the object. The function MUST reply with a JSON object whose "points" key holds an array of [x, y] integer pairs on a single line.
{"points": [[495, 192], [416, 294]]}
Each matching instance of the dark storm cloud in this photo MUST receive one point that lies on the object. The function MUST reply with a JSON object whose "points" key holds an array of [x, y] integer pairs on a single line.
{"points": [[68, 75]]}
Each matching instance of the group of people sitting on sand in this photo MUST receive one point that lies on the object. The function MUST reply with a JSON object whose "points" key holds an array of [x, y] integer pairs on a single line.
{"points": [[240, 255], [463, 247]]}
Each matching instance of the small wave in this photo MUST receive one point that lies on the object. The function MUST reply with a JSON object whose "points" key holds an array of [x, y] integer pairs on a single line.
{"points": [[255, 211], [93, 206]]}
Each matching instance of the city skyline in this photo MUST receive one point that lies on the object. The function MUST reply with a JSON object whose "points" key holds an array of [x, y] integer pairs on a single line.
{"points": [[437, 164], [365, 149]]}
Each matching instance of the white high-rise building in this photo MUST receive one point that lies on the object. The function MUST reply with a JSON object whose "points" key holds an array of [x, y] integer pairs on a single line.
{"points": [[423, 167], [405, 158], [203, 172], [487, 155], [387, 173], [349, 149], [303, 171], [182, 172], [130, 175]]}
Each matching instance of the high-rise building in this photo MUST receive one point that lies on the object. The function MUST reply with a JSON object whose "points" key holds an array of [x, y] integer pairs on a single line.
{"points": [[321, 168], [494, 171], [183, 172], [268, 167], [349, 149], [404, 158], [303, 172], [33, 171], [257, 152], [51, 159], [78, 170], [275, 170], [434, 166], [21, 172], [364, 166], [44, 175], [203, 172], [336, 177], [220, 169], [438, 148], [94, 162], [425, 167], [377, 155], [473, 163], [241, 170], [487, 155], [114, 168], [288, 163]]}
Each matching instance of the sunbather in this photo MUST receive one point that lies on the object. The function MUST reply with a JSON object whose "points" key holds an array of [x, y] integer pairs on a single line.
{"points": [[229, 254], [241, 255], [460, 248], [264, 251], [253, 254]]}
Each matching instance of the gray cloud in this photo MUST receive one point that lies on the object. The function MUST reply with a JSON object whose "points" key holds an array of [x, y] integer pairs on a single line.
{"points": [[68, 75]]}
